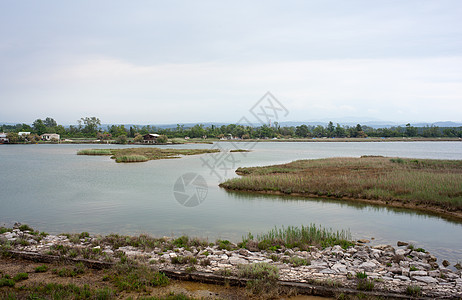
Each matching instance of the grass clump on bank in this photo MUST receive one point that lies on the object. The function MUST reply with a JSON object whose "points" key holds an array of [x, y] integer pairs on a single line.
{"points": [[263, 278], [406, 181], [301, 237], [128, 155]]}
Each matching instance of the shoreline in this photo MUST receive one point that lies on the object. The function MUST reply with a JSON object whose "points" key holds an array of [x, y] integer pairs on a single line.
{"points": [[384, 270], [294, 140]]}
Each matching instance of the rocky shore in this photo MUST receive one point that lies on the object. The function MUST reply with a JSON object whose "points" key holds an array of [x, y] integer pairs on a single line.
{"points": [[384, 268]]}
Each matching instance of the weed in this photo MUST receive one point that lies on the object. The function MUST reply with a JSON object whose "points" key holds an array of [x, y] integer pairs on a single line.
{"points": [[41, 269], [361, 275], [26, 227], [183, 260], [297, 261], [21, 277], [413, 268], [6, 281], [414, 290], [129, 277], [224, 245], [223, 272], [365, 285]]}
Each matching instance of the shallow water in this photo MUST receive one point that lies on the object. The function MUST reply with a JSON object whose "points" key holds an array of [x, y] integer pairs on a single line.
{"points": [[55, 190]]}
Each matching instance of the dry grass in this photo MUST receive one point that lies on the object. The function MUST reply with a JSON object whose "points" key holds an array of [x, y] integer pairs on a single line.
{"points": [[431, 182]]}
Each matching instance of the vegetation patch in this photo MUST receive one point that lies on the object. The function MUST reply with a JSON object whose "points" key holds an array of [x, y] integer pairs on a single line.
{"points": [[263, 278], [131, 277], [302, 237], [419, 182], [95, 152], [128, 155]]}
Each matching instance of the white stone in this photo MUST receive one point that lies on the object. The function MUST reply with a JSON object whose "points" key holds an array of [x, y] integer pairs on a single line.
{"points": [[418, 273], [401, 277], [368, 265], [425, 279]]}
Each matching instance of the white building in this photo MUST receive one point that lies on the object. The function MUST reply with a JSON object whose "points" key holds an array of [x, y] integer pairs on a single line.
{"points": [[49, 136], [3, 138]]}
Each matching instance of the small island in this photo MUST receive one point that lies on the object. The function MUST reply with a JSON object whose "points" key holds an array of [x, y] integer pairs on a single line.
{"points": [[423, 184], [128, 155]]}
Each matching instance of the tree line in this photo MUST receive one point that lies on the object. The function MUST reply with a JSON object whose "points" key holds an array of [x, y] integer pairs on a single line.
{"points": [[90, 127]]}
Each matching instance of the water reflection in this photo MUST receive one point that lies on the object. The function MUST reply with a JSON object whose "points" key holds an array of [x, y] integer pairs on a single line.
{"points": [[359, 205]]}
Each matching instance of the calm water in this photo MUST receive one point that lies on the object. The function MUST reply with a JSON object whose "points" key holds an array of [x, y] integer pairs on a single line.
{"points": [[55, 190]]}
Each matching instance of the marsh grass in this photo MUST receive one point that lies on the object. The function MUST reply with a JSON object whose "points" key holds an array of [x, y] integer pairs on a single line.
{"points": [[131, 158], [423, 182], [302, 237], [95, 152], [128, 155]]}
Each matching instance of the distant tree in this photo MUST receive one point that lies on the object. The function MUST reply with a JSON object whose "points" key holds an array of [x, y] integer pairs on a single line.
{"points": [[410, 130], [138, 138], [340, 131], [50, 122], [319, 131], [302, 131], [12, 137], [163, 139], [39, 127], [121, 139], [330, 129], [90, 125]]}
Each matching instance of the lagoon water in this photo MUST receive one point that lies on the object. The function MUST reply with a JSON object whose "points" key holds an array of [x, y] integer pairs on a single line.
{"points": [[51, 188]]}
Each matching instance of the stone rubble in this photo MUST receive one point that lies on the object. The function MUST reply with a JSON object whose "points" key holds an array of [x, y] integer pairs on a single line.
{"points": [[391, 269]]}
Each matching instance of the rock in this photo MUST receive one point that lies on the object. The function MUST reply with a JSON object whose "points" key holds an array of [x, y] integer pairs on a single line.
{"points": [[402, 278], [425, 279], [327, 271], [234, 260], [445, 263], [244, 252], [384, 248], [400, 252], [396, 270], [418, 273], [340, 268], [367, 266], [458, 266], [434, 273], [361, 254], [400, 244], [363, 241], [224, 257]]}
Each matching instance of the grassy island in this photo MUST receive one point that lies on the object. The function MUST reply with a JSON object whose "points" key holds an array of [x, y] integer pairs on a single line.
{"points": [[431, 185], [144, 154]]}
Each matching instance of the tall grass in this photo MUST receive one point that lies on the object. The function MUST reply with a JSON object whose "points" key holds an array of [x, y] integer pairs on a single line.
{"points": [[302, 237], [131, 158], [434, 182], [95, 152]]}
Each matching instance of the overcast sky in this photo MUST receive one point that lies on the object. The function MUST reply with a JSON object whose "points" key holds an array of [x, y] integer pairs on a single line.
{"points": [[153, 62]]}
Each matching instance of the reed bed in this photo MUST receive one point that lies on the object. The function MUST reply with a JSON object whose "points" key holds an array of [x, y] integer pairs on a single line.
{"points": [[127, 155], [423, 182], [95, 152], [301, 237], [131, 158]]}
